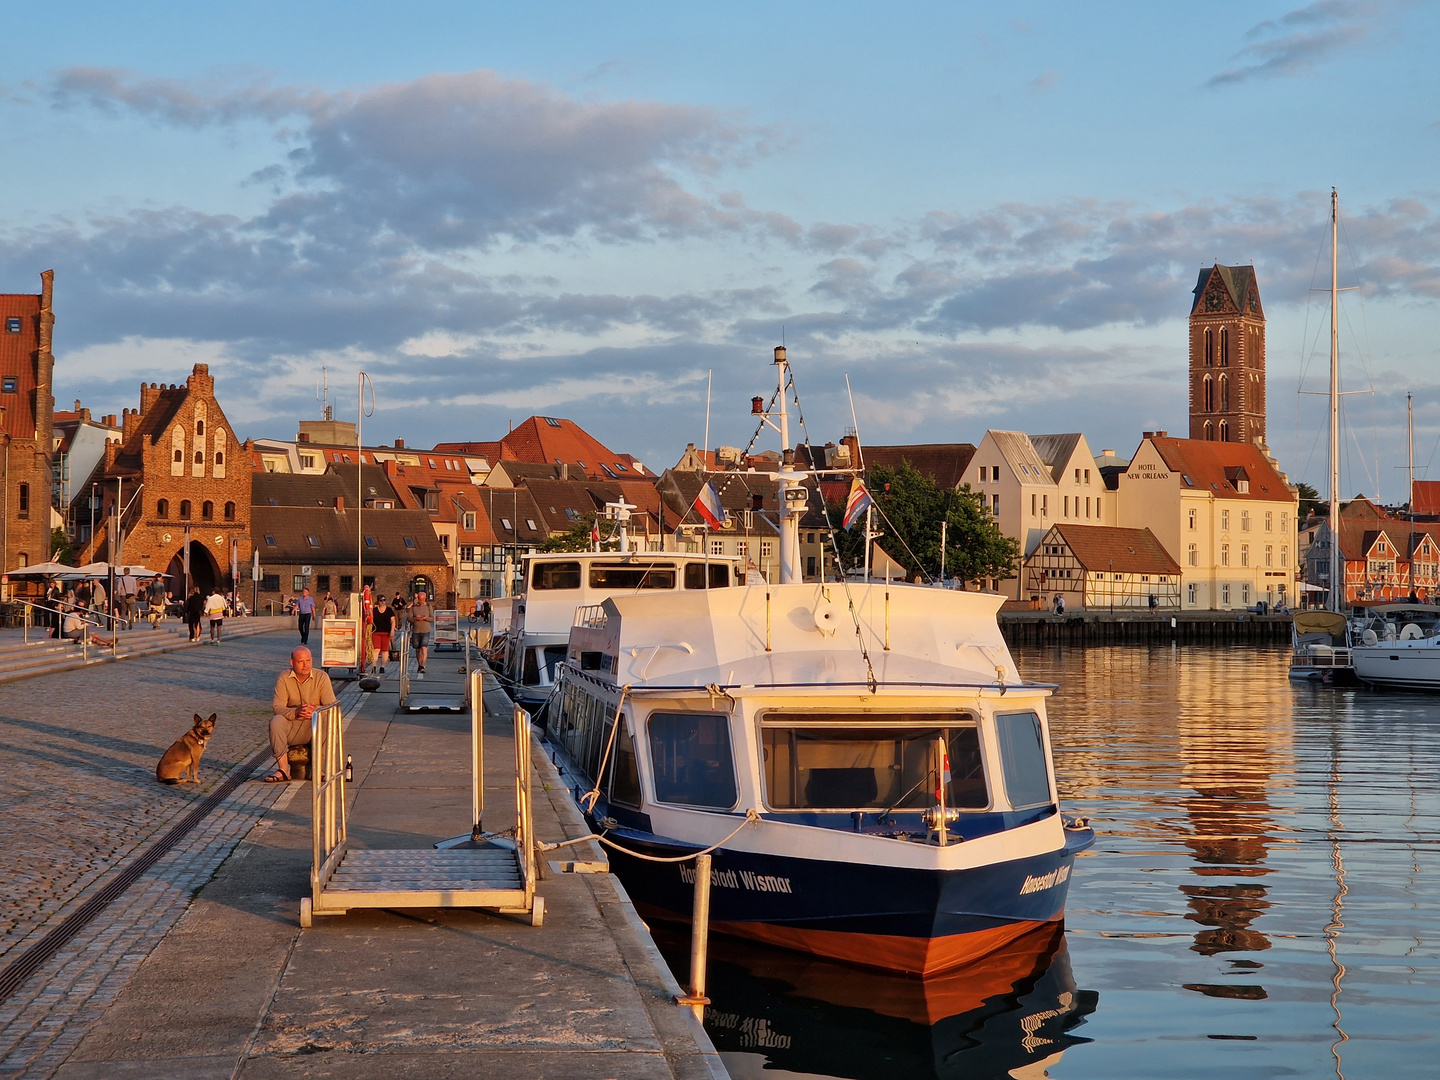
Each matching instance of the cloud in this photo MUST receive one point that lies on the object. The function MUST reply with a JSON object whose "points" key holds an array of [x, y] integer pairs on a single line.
{"points": [[457, 160], [1307, 36]]}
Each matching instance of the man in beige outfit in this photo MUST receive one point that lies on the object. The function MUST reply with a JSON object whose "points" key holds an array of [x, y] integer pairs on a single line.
{"points": [[298, 693]]}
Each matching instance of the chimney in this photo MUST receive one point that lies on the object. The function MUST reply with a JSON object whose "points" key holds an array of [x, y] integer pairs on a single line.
{"points": [[339, 502], [564, 471], [77, 404], [399, 444], [1154, 434], [757, 501], [304, 436]]}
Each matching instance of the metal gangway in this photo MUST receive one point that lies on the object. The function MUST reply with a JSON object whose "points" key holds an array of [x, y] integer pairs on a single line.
{"points": [[475, 871], [438, 691]]}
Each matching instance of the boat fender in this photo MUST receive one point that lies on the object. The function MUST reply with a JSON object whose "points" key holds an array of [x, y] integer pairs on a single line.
{"points": [[1369, 638], [1411, 632], [827, 617]]}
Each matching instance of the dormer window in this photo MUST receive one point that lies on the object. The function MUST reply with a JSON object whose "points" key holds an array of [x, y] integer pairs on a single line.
{"points": [[12, 324]]}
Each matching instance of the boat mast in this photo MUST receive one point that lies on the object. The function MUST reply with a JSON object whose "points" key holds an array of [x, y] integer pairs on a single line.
{"points": [[1410, 497], [794, 499], [1337, 564]]}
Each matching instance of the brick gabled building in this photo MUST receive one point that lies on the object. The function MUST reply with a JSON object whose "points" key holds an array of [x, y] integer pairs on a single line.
{"points": [[27, 409], [1227, 357], [179, 474]]}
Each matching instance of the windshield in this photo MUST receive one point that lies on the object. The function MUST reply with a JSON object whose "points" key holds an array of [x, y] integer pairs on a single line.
{"points": [[827, 766]]}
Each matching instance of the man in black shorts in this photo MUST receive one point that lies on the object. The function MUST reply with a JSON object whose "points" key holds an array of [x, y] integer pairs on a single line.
{"points": [[422, 619], [382, 622]]}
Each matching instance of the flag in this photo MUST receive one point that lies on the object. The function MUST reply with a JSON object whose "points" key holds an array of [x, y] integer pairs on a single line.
{"points": [[595, 533], [857, 503], [707, 505], [943, 780]]}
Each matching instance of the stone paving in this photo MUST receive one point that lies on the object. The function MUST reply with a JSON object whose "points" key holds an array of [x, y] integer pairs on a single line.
{"points": [[78, 750]]}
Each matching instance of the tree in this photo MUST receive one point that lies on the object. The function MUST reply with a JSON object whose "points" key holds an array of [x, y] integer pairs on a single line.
{"points": [[910, 508], [578, 538], [1310, 501], [61, 550]]}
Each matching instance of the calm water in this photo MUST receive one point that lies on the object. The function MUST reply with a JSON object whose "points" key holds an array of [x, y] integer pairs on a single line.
{"points": [[1262, 901]]}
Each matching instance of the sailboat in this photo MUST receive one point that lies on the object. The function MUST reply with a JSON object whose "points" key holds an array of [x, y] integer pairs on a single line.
{"points": [[1321, 638]]}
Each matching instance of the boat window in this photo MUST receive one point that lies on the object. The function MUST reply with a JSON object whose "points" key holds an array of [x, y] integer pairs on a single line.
{"points": [[834, 767], [695, 575], [554, 657], [625, 778], [691, 757], [1022, 757], [556, 575], [632, 576]]}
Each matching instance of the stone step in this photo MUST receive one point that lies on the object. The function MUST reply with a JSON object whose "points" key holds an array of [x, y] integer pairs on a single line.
{"points": [[133, 643]]}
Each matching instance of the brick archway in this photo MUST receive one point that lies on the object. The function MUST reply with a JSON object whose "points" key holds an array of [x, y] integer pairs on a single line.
{"points": [[204, 570]]}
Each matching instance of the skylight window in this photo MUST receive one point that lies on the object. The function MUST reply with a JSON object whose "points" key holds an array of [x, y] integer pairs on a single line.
{"points": [[506, 523], [580, 463], [552, 421], [370, 542], [269, 540], [314, 541], [621, 467], [530, 523], [12, 324], [409, 541]]}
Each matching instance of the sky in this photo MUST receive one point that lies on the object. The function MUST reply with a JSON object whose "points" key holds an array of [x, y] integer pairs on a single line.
{"points": [[985, 216]]}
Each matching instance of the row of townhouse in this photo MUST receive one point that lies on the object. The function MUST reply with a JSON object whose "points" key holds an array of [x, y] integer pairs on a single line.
{"points": [[1387, 556], [1222, 515]]}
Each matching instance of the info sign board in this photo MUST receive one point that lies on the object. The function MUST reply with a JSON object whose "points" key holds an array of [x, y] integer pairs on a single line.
{"points": [[339, 643], [447, 628]]}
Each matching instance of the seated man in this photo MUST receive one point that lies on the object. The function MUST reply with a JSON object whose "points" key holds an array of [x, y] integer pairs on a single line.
{"points": [[298, 693]]}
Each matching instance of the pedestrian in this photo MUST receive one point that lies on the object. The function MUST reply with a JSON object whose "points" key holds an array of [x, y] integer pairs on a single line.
{"points": [[422, 618], [305, 611], [215, 610], [382, 622], [97, 597], [194, 609], [157, 601], [125, 596], [298, 693], [486, 613], [330, 609]]}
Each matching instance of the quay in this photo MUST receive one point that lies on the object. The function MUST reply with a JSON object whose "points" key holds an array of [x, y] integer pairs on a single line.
{"points": [[201, 968], [1098, 627]]}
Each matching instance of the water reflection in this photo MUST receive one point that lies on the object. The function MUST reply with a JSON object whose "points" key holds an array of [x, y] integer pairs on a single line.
{"points": [[1010, 1015]]}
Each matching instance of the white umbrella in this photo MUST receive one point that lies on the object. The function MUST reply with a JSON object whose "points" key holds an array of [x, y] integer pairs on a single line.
{"points": [[102, 569], [46, 570]]}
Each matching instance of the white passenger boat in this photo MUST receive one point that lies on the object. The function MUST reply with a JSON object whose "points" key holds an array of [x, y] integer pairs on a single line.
{"points": [[872, 773], [1398, 645], [557, 583]]}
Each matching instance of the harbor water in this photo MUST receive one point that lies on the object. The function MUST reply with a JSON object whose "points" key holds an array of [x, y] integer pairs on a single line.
{"points": [[1262, 901]]}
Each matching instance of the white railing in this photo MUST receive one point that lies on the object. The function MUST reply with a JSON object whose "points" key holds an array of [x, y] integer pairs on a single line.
{"points": [[327, 796], [524, 827]]}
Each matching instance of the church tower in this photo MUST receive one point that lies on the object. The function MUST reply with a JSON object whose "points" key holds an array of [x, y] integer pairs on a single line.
{"points": [[1227, 357]]}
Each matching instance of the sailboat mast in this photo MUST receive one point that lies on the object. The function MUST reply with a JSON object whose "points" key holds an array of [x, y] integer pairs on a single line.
{"points": [[1337, 563], [1410, 496]]}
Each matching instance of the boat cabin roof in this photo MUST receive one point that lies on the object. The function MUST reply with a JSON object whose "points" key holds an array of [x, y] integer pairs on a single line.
{"points": [[801, 635]]}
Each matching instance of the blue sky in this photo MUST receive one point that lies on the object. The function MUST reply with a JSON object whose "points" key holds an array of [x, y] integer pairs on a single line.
{"points": [[987, 215]]}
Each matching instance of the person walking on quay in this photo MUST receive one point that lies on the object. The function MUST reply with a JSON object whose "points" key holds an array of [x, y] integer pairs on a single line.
{"points": [[422, 618], [194, 609], [298, 693], [97, 597], [157, 599], [330, 608], [125, 590], [304, 612], [215, 609], [382, 622]]}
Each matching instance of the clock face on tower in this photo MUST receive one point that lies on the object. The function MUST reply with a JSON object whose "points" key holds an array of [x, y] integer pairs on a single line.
{"points": [[1214, 301]]}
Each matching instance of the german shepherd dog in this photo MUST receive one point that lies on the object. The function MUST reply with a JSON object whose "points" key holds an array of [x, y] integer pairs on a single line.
{"points": [[184, 754]]}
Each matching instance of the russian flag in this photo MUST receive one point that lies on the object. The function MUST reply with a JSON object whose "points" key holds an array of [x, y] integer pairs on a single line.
{"points": [[857, 503], [707, 505]]}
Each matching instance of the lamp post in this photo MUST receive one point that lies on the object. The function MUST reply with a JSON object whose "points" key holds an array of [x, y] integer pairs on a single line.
{"points": [[1112, 586], [5, 513]]}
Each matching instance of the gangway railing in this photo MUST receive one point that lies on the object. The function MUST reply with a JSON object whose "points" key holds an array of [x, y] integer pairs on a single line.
{"points": [[494, 873], [436, 701]]}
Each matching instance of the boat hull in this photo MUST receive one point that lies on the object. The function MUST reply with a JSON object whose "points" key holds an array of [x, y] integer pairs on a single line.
{"points": [[1399, 664], [920, 922]]}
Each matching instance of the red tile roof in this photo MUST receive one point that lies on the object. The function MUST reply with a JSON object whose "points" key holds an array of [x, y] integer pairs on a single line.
{"points": [[551, 440], [1219, 466], [1427, 498], [1121, 551]]}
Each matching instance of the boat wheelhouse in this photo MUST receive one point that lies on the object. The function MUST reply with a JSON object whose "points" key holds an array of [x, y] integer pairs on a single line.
{"points": [[869, 761], [557, 583]]}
